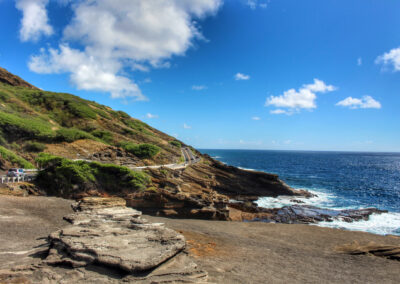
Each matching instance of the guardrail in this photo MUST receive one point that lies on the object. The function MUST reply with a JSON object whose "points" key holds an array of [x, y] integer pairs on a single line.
{"points": [[6, 179]]}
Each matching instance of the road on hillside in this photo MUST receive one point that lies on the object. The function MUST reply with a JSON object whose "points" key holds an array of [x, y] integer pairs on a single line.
{"points": [[190, 158], [188, 155]]}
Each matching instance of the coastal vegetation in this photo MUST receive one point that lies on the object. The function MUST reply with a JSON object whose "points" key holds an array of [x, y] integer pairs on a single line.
{"points": [[144, 151], [176, 143], [14, 158], [34, 119], [35, 146], [63, 177]]}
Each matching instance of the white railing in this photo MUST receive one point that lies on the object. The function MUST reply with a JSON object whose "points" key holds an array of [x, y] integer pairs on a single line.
{"points": [[6, 179]]}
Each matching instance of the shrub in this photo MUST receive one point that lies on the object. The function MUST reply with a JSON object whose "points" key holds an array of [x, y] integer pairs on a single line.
{"points": [[116, 178], [14, 158], [33, 127], [73, 105], [4, 96], [137, 125], [143, 151], [72, 134], [122, 114], [45, 160], [103, 135], [35, 147], [64, 177], [175, 143]]}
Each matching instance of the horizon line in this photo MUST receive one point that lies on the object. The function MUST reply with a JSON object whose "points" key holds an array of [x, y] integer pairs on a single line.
{"points": [[293, 150]]}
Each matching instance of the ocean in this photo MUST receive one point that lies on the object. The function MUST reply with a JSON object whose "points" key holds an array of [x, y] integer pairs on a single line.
{"points": [[342, 180]]}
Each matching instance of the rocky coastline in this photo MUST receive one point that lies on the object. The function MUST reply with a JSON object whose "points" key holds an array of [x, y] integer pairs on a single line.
{"points": [[103, 241]]}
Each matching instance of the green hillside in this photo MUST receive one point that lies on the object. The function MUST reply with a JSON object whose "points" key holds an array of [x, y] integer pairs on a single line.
{"points": [[33, 120]]}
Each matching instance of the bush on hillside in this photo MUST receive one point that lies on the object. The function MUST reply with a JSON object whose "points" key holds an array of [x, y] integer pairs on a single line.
{"points": [[72, 134], [15, 125], [138, 125], [143, 151], [63, 177], [35, 146], [176, 143], [14, 158], [104, 135]]}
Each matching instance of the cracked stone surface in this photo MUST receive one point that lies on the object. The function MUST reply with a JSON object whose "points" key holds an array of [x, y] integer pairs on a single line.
{"points": [[108, 242]]}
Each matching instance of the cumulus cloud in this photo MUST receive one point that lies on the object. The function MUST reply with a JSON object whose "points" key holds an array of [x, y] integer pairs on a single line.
{"points": [[241, 76], [295, 100], [256, 118], [364, 102], [186, 126], [87, 73], [34, 22], [391, 58], [199, 87], [121, 34], [149, 115]]}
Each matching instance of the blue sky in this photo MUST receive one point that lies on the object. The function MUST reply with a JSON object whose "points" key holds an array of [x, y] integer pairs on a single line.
{"points": [[288, 74]]}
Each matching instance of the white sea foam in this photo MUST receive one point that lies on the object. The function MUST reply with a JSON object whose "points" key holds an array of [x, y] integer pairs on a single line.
{"points": [[381, 224], [247, 169], [322, 199]]}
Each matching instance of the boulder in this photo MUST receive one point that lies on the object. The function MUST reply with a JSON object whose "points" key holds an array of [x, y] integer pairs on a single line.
{"points": [[105, 233]]}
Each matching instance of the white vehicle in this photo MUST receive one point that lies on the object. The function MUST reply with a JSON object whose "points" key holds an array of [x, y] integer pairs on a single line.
{"points": [[14, 172]]}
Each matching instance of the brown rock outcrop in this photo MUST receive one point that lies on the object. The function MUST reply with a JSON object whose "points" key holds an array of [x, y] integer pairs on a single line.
{"points": [[13, 80], [106, 233]]}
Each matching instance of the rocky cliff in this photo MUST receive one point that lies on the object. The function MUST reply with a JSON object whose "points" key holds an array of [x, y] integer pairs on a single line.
{"points": [[88, 149]]}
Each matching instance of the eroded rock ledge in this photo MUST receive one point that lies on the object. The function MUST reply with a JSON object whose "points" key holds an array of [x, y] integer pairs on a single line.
{"points": [[109, 242]]}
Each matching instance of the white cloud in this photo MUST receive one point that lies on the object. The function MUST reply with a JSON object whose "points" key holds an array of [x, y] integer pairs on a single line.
{"points": [[123, 34], [364, 102], [359, 61], [253, 4], [87, 73], [241, 76], [281, 111], [303, 98], [186, 126], [390, 58], [149, 115], [34, 22], [199, 87], [256, 118]]}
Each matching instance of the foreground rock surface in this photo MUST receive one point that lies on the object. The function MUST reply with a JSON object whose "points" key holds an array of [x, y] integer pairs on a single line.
{"points": [[113, 236], [230, 252], [104, 235]]}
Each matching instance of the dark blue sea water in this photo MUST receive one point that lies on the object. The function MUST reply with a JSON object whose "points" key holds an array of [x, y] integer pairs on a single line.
{"points": [[340, 179]]}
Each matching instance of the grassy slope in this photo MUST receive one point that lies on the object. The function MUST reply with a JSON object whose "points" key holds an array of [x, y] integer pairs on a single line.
{"points": [[31, 115]]}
